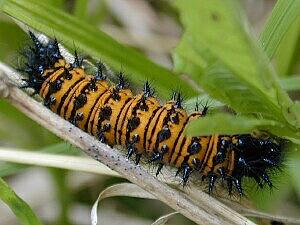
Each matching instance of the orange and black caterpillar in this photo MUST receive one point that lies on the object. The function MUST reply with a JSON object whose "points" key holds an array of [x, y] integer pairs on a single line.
{"points": [[140, 123]]}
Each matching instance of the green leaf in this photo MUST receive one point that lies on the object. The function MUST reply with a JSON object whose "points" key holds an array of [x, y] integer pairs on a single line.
{"points": [[287, 50], [222, 123], [283, 16], [206, 22], [57, 3], [291, 83], [294, 171], [10, 38], [80, 9], [20, 208], [221, 56], [23, 131], [71, 30]]}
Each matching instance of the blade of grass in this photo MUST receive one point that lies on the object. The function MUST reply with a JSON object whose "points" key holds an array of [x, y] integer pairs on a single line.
{"points": [[7, 169], [287, 50], [80, 9], [94, 42], [291, 83], [55, 161], [164, 219], [283, 15], [20, 208]]}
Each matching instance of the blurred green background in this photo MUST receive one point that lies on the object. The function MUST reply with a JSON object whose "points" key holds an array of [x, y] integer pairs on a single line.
{"points": [[152, 27]]}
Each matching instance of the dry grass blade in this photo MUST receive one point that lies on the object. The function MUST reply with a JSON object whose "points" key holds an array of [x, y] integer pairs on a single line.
{"points": [[164, 219], [257, 214], [56, 161], [123, 189], [116, 161]]}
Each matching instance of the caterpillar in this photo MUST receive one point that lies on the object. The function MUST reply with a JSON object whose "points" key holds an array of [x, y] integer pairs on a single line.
{"points": [[144, 126]]}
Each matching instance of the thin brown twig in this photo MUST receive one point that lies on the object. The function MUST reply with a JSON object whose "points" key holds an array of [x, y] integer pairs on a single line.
{"points": [[197, 212]]}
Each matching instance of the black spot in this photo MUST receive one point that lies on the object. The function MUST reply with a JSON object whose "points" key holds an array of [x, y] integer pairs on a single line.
{"points": [[92, 85], [174, 118], [105, 113], [142, 105], [220, 156], [164, 134], [55, 86], [80, 101], [135, 138], [50, 101], [194, 148], [115, 94], [78, 117], [133, 123], [106, 127], [67, 75]]}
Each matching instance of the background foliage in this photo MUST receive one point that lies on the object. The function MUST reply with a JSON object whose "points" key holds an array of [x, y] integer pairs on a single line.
{"points": [[217, 51]]}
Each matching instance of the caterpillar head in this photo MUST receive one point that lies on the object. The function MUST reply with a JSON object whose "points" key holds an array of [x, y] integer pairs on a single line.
{"points": [[257, 157], [39, 57]]}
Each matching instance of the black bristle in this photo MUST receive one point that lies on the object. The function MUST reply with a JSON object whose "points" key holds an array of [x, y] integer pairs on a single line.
{"points": [[159, 168], [211, 181], [178, 100], [122, 83], [35, 40], [148, 90], [137, 158], [238, 184], [130, 150], [100, 71], [101, 137], [186, 174], [156, 156], [78, 61], [197, 104], [174, 96], [53, 51]]}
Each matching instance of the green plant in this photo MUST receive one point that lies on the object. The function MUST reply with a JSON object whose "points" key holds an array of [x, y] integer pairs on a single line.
{"points": [[217, 52]]}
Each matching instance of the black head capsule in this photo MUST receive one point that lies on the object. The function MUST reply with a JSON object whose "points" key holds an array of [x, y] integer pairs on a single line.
{"points": [[255, 158]]}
